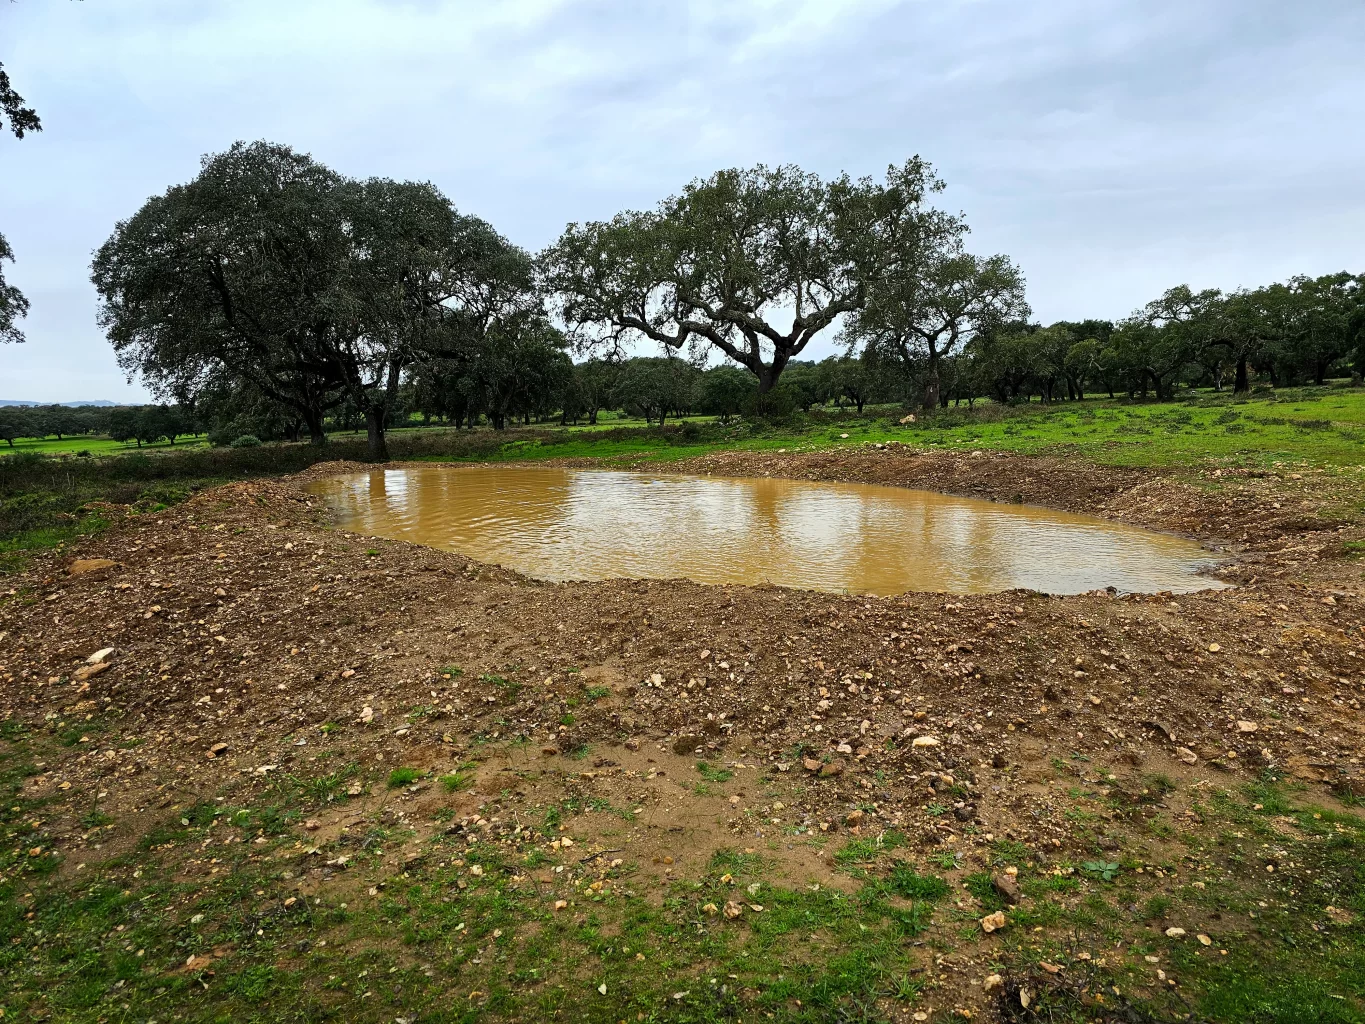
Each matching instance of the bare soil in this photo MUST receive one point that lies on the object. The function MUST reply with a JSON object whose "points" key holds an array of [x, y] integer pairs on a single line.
{"points": [[250, 638]]}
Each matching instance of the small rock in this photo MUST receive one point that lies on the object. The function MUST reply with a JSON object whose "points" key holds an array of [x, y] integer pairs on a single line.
{"points": [[1175, 933], [100, 656], [924, 741], [687, 744], [1187, 755], [1007, 887], [811, 765], [992, 982], [1204, 940], [993, 922], [632, 744], [217, 750], [90, 671], [312, 824], [833, 768], [1214, 648], [84, 565], [1245, 726], [733, 909], [1160, 727], [854, 818]]}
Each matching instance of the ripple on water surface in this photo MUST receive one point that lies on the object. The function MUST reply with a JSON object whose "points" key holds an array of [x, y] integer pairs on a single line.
{"points": [[587, 524]]}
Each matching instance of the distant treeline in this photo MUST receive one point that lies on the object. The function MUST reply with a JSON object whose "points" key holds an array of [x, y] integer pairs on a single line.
{"points": [[271, 297], [143, 424]]}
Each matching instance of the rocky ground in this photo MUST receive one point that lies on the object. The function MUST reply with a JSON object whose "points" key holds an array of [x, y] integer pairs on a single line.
{"points": [[626, 737]]}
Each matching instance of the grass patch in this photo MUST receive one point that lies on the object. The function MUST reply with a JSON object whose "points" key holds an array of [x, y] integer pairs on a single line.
{"points": [[456, 782], [906, 882], [403, 777], [713, 774]]}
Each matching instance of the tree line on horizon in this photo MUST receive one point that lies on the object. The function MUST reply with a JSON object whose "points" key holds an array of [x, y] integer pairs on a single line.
{"points": [[272, 296]]}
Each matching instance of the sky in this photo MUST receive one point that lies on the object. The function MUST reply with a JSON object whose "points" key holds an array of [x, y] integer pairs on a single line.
{"points": [[1112, 148]]}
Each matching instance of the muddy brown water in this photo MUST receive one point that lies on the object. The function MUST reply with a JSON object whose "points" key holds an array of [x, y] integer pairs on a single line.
{"points": [[554, 523]]}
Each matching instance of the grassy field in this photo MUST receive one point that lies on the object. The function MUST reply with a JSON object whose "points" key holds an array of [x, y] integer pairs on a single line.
{"points": [[94, 445], [1321, 426], [162, 932]]}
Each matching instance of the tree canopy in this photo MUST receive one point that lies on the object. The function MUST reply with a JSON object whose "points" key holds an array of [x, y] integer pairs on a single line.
{"points": [[13, 306], [270, 274], [752, 263]]}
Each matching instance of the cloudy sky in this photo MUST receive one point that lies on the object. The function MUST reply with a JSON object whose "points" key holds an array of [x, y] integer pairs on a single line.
{"points": [[1112, 147]]}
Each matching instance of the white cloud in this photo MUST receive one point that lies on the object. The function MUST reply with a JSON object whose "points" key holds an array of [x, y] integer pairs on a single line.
{"points": [[1113, 147]]}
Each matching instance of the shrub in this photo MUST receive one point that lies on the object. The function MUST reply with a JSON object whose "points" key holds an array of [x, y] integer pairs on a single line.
{"points": [[247, 441]]}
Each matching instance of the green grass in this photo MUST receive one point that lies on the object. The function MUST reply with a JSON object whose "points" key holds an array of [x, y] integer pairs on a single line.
{"points": [[713, 774], [403, 777], [1307, 426], [96, 444], [437, 940], [454, 782]]}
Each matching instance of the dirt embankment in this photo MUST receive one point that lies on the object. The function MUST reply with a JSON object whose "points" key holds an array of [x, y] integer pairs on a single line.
{"points": [[251, 640]]}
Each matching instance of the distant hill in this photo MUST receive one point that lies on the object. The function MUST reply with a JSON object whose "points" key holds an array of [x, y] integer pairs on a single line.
{"points": [[99, 401]]}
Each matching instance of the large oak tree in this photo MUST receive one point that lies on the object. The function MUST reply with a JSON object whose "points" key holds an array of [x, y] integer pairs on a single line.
{"points": [[753, 263], [933, 299], [273, 272]]}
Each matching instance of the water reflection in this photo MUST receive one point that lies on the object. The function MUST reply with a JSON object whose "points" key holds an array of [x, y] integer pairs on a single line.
{"points": [[562, 524]]}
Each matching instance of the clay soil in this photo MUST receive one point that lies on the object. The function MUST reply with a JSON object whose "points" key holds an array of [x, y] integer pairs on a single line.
{"points": [[250, 638]]}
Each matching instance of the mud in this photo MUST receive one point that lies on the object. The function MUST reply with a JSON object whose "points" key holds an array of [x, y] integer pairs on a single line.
{"points": [[252, 640]]}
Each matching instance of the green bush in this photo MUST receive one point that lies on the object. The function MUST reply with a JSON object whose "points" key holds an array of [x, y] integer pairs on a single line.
{"points": [[247, 441]]}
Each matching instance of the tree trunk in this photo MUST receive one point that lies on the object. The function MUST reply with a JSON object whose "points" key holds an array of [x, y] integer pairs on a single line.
{"points": [[931, 385], [374, 428], [1240, 385]]}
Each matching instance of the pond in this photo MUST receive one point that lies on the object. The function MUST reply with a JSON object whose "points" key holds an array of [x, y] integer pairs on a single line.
{"points": [[554, 523]]}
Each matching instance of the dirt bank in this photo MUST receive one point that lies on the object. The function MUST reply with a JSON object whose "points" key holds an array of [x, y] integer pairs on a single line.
{"points": [[251, 641]]}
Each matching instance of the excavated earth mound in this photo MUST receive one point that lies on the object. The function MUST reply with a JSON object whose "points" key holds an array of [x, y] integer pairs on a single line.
{"points": [[239, 637]]}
